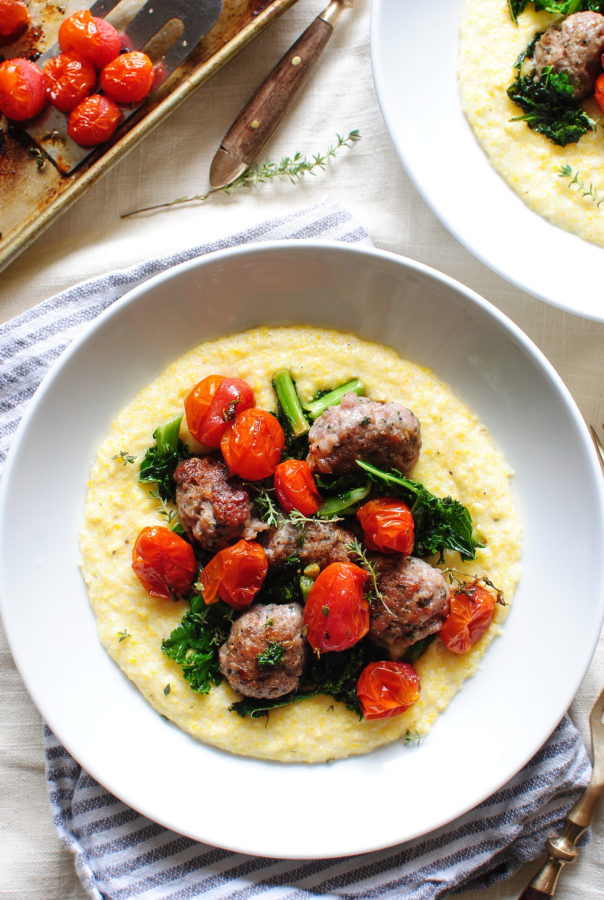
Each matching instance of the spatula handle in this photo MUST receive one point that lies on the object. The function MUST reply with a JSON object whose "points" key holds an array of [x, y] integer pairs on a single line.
{"points": [[259, 118]]}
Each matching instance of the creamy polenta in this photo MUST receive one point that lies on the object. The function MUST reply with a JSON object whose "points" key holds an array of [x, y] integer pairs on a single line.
{"points": [[490, 43], [458, 458]]}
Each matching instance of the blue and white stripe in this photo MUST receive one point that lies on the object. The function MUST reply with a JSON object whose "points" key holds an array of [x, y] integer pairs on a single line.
{"points": [[120, 854]]}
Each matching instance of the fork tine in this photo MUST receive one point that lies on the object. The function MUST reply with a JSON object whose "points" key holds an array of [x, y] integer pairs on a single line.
{"points": [[598, 445]]}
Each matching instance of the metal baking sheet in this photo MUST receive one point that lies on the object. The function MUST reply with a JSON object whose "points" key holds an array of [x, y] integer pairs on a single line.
{"points": [[33, 194]]}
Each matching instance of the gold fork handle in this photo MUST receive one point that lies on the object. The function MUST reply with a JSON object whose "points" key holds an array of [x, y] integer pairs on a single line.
{"points": [[258, 120], [562, 849]]}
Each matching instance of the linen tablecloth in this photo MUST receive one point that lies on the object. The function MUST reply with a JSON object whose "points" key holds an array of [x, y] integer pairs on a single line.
{"points": [[91, 239]]}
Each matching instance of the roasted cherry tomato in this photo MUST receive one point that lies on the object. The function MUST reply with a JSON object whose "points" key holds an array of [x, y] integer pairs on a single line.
{"points": [[599, 91], [91, 37], [387, 688], [235, 574], [68, 78], [387, 524], [14, 21], [128, 78], [94, 120], [213, 404], [21, 89], [164, 562], [295, 487], [336, 612], [472, 609], [252, 444]]}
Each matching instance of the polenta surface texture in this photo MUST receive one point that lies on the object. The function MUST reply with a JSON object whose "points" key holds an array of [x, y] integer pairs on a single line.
{"points": [[490, 43], [458, 459]]}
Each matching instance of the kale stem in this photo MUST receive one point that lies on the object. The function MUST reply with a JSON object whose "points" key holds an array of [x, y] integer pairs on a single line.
{"points": [[316, 407], [290, 402], [166, 436], [344, 503]]}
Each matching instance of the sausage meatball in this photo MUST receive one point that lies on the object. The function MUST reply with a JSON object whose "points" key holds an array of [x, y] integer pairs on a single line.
{"points": [[265, 653], [315, 542], [385, 434], [214, 509], [573, 46], [414, 604]]}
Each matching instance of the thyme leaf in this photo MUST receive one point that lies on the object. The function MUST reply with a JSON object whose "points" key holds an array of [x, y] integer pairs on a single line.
{"points": [[588, 191], [290, 168]]}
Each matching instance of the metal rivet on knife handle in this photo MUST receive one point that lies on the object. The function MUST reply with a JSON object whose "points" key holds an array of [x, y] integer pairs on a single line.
{"points": [[261, 116]]}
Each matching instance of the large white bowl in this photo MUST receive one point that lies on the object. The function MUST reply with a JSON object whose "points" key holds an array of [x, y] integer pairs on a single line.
{"points": [[414, 54], [500, 718]]}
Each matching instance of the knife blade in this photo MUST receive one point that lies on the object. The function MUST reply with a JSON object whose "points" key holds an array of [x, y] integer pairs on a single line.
{"points": [[258, 120]]}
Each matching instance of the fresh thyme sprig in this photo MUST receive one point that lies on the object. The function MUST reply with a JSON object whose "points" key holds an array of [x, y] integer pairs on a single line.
{"points": [[359, 551], [292, 168], [124, 457], [167, 512], [589, 191]]}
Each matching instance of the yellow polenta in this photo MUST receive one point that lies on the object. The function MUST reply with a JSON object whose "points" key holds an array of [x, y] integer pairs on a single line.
{"points": [[458, 459], [489, 45]]}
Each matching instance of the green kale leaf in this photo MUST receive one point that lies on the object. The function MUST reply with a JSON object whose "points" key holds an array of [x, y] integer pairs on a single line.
{"points": [[550, 109], [194, 643], [161, 459], [440, 523]]}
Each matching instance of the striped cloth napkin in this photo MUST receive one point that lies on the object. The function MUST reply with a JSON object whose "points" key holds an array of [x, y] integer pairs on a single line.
{"points": [[120, 854]]}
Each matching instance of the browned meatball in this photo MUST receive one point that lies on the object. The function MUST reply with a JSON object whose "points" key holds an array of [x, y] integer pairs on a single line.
{"points": [[214, 509], [574, 46], [414, 604], [265, 653], [385, 434], [314, 542]]}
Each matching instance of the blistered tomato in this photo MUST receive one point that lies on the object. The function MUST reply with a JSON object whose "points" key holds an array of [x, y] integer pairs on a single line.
{"points": [[94, 120], [14, 21], [234, 574], [252, 444], [599, 91], [471, 612], [164, 562], [128, 78], [68, 79], [336, 613], [387, 524], [21, 89], [213, 404], [295, 487], [91, 37], [387, 688]]}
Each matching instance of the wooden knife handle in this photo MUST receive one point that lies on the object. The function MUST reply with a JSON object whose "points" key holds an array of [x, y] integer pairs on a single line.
{"points": [[531, 893], [258, 120]]}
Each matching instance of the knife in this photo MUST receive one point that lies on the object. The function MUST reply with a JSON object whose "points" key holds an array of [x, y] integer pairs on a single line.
{"points": [[258, 120]]}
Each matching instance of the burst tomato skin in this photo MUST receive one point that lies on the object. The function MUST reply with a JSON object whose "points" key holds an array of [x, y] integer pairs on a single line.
{"points": [[336, 613], [387, 688], [252, 444], [387, 525], [94, 120], [213, 403], [234, 574], [14, 21], [91, 37], [599, 91], [21, 89], [128, 78], [295, 487], [470, 615], [68, 79], [164, 562]]}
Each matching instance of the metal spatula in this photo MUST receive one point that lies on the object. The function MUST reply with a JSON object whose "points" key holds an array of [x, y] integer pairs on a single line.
{"points": [[172, 27]]}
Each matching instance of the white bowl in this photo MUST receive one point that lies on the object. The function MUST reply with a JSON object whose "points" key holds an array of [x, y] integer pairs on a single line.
{"points": [[419, 97], [529, 676]]}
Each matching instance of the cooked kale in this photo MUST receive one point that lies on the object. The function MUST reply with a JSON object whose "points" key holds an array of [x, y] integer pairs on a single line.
{"points": [[194, 643], [558, 7], [272, 656], [441, 523], [161, 459], [550, 108]]}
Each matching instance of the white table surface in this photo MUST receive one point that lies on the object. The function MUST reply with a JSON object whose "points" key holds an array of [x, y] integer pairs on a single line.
{"points": [[173, 161]]}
